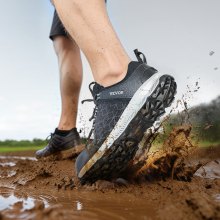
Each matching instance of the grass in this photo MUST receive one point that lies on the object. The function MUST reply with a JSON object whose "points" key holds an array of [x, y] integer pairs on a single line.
{"points": [[208, 144], [203, 144], [5, 149], [156, 145]]}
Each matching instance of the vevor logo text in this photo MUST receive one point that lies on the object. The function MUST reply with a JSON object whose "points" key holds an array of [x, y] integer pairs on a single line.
{"points": [[117, 93]]}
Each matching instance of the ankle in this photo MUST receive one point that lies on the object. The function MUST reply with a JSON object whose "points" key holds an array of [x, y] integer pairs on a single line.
{"points": [[63, 132], [112, 77], [65, 126], [114, 73]]}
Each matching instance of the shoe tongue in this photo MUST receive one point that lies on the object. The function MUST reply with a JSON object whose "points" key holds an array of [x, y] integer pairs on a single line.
{"points": [[132, 66]]}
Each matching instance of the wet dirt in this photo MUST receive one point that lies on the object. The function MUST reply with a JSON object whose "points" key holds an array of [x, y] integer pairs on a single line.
{"points": [[179, 181]]}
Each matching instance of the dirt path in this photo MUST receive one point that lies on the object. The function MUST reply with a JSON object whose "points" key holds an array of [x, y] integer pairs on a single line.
{"points": [[166, 187], [48, 189]]}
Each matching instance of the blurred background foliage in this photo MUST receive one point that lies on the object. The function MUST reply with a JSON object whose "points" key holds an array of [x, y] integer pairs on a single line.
{"points": [[204, 118]]}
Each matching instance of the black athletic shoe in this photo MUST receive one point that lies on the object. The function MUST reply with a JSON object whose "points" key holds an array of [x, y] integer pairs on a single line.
{"points": [[60, 145], [122, 114]]}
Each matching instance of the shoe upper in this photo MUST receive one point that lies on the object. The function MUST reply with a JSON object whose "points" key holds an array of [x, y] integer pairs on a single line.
{"points": [[59, 143], [110, 102]]}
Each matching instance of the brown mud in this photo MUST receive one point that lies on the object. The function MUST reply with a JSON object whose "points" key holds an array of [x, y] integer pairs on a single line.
{"points": [[179, 181]]}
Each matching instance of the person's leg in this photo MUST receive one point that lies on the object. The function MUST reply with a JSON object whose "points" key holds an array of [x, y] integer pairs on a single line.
{"points": [[65, 138], [70, 66], [96, 37]]}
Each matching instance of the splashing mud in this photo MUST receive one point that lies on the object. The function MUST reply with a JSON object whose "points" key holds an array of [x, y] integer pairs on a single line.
{"points": [[173, 160]]}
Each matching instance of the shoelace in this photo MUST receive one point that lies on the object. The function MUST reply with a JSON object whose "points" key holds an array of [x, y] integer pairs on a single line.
{"points": [[49, 137], [94, 95]]}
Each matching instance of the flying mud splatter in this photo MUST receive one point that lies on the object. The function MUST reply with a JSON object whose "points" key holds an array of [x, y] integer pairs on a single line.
{"points": [[172, 160]]}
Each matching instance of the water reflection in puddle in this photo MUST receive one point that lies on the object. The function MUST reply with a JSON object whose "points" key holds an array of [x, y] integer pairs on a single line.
{"points": [[94, 205], [17, 158], [7, 164], [217, 197], [210, 171], [83, 205], [5, 169], [11, 200], [7, 174], [8, 198], [79, 206]]}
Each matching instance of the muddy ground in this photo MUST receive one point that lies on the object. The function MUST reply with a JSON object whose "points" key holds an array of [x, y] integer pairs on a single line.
{"points": [[174, 183]]}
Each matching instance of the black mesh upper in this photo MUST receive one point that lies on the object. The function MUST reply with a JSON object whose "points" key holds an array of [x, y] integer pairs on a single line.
{"points": [[107, 117], [112, 101]]}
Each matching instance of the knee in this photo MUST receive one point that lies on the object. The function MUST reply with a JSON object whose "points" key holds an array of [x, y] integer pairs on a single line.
{"points": [[63, 45]]}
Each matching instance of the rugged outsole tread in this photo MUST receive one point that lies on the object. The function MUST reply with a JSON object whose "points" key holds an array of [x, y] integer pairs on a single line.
{"points": [[116, 159]]}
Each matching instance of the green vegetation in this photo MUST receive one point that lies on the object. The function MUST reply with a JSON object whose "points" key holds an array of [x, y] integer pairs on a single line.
{"points": [[205, 121], [208, 144], [23, 145], [5, 149]]}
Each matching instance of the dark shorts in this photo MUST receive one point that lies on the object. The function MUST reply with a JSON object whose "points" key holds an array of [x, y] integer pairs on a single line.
{"points": [[57, 28]]}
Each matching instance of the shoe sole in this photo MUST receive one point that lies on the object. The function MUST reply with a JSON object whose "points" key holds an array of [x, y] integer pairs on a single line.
{"points": [[64, 154], [69, 153], [146, 106]]}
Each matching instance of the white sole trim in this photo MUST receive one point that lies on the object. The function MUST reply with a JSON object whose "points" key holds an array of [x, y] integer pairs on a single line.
{"points": [[129, 113]]}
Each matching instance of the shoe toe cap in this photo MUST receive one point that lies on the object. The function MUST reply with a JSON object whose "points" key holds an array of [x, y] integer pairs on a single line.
{"points": [[43, 152], [81, 160], [39, 153]]}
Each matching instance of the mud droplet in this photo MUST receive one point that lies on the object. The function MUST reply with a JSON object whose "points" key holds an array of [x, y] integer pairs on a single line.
{"points": [[207, 126], [211, 53]]}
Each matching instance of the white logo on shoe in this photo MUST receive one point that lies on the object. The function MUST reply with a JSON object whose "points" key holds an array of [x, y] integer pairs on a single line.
{"points": [[116, 93]]}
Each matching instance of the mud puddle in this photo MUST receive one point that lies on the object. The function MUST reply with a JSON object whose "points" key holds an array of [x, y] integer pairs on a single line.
{"points": [[89, 205], [210, 171], [42, 190], [10, 197], [30, 202]]}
